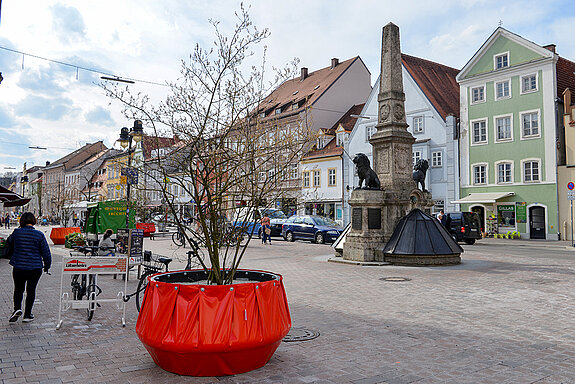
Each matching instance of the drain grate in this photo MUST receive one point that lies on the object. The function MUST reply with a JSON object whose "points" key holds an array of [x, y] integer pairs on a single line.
{"points": [[395, 279], [300, 334]]}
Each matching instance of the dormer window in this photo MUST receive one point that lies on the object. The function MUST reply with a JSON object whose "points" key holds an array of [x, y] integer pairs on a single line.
{"points": [[340, 139], [501, 61], [278, 111], [262, 115], [294, 106]]}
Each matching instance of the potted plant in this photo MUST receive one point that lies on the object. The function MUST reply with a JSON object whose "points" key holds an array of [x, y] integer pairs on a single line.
{"points": [[228, 153]]}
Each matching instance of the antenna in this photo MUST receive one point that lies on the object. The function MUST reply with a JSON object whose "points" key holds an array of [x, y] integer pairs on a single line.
{"points": [[500, 23]]}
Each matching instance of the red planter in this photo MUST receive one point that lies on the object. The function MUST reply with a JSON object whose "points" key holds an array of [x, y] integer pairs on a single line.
{"points": [[148, 228], [57, 234], [213, 330]]}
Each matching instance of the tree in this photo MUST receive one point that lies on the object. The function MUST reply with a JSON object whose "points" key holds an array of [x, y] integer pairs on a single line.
{"points": [[226, 152]]}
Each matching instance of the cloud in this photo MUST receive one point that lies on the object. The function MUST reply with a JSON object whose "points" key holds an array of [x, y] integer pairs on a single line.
{"points": [[100, 116], [41, 80], [68, 23], [6, 118], [40, 107]]}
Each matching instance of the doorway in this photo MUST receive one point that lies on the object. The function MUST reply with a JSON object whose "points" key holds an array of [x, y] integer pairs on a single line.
{"points": [[537, 222], [481, 213]]}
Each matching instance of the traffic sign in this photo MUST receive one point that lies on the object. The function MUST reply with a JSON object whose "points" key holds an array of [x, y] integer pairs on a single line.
{"points": [[570, 185]]}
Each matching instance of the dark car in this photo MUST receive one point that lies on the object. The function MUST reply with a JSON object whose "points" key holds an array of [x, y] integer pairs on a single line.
{"points": [[464, 226], [315, 228]]}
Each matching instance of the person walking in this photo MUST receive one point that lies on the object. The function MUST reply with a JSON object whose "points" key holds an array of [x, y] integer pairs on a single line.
{"points": [[30, 254], [7, 221], [266, 230]]}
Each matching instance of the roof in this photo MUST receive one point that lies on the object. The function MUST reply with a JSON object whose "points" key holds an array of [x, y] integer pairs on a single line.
{"points": [[150, 143], [488, 197], [89, 148], [306, 91], [347, 121], [565, 77], [437, 81]]}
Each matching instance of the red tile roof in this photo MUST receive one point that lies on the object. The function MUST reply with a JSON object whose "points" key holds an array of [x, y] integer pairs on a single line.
{"points": [[150, 143], [347, 122], [437, 81], [306, 91], [565, 78]]}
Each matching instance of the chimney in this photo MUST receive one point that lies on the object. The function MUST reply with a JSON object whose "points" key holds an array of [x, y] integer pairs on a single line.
{"points": [[567, 101], [550, 47], [47, 163], [303, 73], [334, 62]]}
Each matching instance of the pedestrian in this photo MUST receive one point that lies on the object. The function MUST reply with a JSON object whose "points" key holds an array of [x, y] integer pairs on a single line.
{"points": [[30, 254], [440, 216], [448, 222], [7, 221], [106, 244], [266, 229], [75, 219]]}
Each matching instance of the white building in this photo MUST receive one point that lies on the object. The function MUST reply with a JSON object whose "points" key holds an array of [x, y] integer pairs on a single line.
{"points": [[432, 110]]}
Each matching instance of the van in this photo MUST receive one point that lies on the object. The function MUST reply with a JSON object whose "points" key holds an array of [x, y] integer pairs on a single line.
{"points": [[465, 226]]}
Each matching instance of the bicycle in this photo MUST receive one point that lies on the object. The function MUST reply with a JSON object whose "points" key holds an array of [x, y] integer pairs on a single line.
{"points": [[160, 264], [231, 237], [84, 285], [179, 238]]}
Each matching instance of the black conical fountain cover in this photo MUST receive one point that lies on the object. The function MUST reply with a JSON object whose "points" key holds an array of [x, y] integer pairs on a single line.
{"points": [[421, 234]]}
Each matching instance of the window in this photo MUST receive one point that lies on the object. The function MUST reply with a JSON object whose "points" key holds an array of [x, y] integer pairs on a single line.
{"points": [[531, 171], [416, 155], [294, 106], [530, 124], [293, 171], [438, 205], [418, 124], [262, 176], [278, 111], [477, 95], [503, 128], [340, 139], [502, 60], [479, 132], [503, 90], [480, 174], [369, 131], [331, 177], [529, 83], [437, 159], [504, 172], [317, 178], [305, 175]]}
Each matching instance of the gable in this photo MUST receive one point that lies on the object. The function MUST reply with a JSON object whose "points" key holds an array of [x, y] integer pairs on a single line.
{"points": [[520, 50], [518, 54]]}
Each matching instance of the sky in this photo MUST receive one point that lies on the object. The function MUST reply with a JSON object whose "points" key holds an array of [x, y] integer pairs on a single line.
{"points": [[61, 107]]}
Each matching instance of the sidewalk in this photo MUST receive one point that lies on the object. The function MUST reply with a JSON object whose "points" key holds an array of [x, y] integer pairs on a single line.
{"points": [[505, 315]]}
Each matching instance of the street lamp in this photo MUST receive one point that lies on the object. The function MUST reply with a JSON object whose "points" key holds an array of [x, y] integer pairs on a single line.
{"points": [[127, 136]]}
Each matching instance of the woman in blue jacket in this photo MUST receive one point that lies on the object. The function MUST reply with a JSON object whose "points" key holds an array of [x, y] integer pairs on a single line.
{"points": [[30, 254]]}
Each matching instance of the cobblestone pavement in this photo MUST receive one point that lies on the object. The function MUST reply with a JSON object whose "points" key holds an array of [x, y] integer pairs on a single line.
{"points": [[505, 315]]}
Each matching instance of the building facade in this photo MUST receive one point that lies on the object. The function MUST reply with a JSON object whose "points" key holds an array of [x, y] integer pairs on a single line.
{"points": [[509, 136]]}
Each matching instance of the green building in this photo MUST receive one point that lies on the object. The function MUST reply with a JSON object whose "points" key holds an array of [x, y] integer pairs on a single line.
{"points": [[508, 132]]}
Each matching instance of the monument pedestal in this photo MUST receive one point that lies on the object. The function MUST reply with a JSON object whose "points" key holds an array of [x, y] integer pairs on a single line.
{"points": [[374, 215]]}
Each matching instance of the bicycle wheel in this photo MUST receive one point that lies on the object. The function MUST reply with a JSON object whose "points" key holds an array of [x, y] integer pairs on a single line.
{"points": [[76, 288], [178, 239], [141, 291], [91, 297]]}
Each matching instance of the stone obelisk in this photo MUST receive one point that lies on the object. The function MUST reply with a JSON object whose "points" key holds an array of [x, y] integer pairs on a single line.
{"points": [[392, 142], [376, 212]]}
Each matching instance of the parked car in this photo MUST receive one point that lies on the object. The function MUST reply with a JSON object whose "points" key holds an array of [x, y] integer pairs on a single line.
{"points": [[253, 225], [465, 226], [315, 228]]}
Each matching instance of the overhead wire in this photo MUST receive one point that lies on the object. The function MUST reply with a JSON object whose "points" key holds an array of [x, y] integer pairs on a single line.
{"points": [[79, 67]]}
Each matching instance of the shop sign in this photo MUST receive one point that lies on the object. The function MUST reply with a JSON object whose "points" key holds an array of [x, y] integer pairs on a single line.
{"points": [[521, 212], [506, 208]]}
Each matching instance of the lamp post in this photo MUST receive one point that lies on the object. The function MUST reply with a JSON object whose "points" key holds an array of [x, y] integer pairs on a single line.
{"points": [[127, 136]]}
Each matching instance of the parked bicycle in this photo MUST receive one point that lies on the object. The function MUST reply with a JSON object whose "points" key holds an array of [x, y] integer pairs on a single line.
{"points": [[156, 265], [231, 237], [86, 286]]}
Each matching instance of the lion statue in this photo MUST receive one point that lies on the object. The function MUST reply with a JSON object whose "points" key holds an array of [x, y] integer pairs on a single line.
{"points": [[419, 170], [365, 172]]}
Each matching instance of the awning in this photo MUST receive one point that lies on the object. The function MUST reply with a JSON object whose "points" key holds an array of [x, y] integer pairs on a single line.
{"points": [[487, 197], [11, 199]]}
